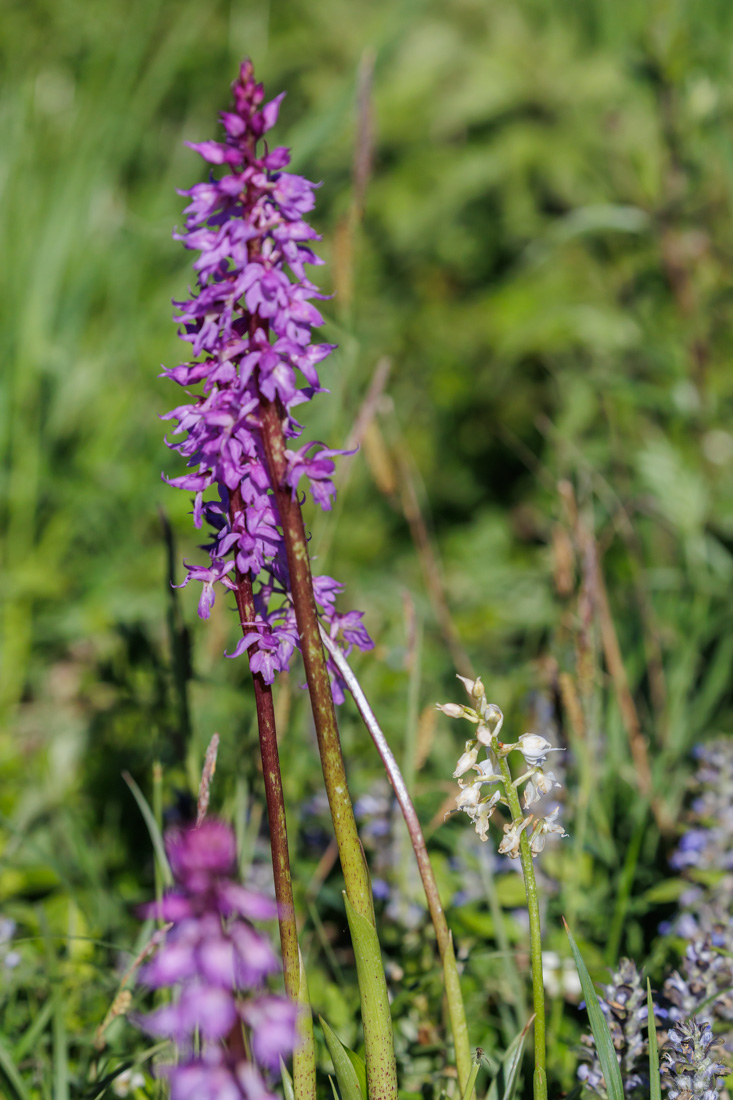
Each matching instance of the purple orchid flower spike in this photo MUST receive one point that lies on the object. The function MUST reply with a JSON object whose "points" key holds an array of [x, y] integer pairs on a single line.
{"points": [[219, 964], [249, 323]]}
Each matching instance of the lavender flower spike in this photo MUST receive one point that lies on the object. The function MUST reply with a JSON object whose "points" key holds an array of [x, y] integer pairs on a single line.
{"points": [[219, 964], [691, 1069], [249, 323]]}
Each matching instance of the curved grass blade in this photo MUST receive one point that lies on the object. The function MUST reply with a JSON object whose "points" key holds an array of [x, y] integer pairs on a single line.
{"points": [[510, 1064], [287, 1080], [8, 1070], [152, 824], [598, 1025], [655, 1084]]}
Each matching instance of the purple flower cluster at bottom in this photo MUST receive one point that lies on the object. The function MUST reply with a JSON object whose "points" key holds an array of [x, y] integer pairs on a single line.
{"points": [[218, 964]]}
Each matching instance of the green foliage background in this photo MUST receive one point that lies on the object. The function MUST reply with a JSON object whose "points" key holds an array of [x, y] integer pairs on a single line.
{"points": [[545, 257]]}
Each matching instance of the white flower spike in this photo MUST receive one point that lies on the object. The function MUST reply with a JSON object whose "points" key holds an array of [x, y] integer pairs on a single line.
{"points": [[493, 769]]}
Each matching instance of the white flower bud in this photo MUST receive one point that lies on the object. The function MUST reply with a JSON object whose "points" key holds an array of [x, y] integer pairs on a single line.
{"points": [[467, 760], [474, 687], [455, 710], [469, 796], [482, 815], [484, 734]]}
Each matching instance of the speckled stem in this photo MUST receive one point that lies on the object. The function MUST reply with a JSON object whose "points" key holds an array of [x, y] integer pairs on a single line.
{"points": [[378, 1038], [304, 1059]]}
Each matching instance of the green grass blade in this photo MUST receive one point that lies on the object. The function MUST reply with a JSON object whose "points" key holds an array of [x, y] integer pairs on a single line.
{"points": [[510, 1064], [655, 1084], [346, 1076], [155, 833], [287, 1081], [7, 1067], [31, 1035], [60, 1050], [598, 1025]]}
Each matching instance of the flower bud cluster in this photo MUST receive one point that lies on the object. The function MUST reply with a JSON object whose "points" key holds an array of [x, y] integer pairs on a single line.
{"points": [[705, 850], [704, 981], [249, 323], [218, 963], [537, 780], [690, 1069]]}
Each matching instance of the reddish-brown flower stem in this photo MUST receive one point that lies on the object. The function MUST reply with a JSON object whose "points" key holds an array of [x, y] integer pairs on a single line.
{"points": [[304, 1066]]}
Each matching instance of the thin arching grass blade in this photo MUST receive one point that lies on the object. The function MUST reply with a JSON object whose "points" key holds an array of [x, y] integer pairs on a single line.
{"points": [[599, 1027], [510, 1064], [155, 834], [9, 1071], [655, 1084]]}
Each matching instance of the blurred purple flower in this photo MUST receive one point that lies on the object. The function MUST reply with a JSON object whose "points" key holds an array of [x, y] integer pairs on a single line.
{"points": [[219, 964], [251, 323]]}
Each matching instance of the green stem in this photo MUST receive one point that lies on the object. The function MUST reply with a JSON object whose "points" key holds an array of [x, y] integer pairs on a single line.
{"points": [[535, 937], [475, 1067], [378, 1035]]}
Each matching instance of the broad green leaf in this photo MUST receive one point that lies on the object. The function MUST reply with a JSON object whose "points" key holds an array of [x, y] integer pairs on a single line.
{"points": [[598, 1025], [346, 1076], [360, 1068]]}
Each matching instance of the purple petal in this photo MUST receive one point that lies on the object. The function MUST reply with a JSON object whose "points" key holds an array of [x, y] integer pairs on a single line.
{"points": [[199, 1081], [211, 1010], [272, 1020], [234, 898]]}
